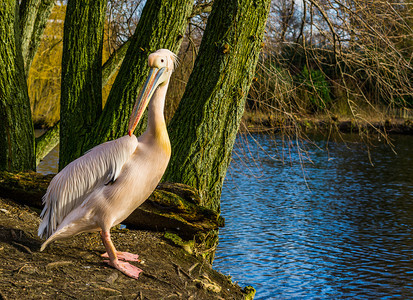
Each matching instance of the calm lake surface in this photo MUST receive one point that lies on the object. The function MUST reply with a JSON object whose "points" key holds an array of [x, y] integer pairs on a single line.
{"points": [[341, 230], [333, 228]]}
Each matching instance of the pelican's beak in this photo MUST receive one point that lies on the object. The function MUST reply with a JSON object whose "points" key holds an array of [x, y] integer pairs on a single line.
{"points": [[145, 95]]}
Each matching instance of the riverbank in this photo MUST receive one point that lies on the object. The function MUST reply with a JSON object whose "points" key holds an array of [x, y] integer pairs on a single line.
{"points": [[73, 268], [324, 124]]}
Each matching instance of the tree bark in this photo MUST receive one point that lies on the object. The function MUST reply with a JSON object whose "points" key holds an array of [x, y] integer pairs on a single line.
{"points": [[162, 25], [81, 92], [28, 13], [46, 142], [114, 61], [204, 127], [16, 127], [34, 15]]}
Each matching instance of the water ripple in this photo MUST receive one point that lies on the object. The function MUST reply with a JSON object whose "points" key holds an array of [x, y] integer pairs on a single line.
{"points": [[343, 231]]}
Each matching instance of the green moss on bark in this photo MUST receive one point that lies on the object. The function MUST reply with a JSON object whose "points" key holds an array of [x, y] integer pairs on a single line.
{"points": [[205, 125], [114, 61], [34, 15], [16, 127], [46, 142], [81, 92]]}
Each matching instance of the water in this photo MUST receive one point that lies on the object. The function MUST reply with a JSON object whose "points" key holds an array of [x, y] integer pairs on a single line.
{"points": [[336, 228], [49, 165]]}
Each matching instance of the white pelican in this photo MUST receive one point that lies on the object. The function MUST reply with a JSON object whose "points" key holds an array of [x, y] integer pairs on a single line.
{"points": [[100, 189]]}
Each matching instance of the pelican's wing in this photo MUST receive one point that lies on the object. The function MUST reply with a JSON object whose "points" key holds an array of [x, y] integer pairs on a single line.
{"points": [[70, 187]]}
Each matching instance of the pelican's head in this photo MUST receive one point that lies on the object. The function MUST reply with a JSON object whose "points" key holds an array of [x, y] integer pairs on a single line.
{"points": [[161, 64]]}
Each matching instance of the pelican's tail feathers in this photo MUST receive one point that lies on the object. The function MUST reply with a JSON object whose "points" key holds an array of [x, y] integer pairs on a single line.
{"points": [[48, 241], [64, 232], [68, 228]]}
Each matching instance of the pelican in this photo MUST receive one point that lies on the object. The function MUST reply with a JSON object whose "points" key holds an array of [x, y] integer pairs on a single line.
{"points": [[103, 187]]}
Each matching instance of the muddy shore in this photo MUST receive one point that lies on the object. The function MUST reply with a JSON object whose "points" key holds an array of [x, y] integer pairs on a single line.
{"points": [[325, 124], [73, 268]]}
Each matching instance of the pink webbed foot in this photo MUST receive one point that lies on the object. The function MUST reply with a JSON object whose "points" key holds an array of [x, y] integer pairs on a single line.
{"points": [[125, 268], [125, 256]]}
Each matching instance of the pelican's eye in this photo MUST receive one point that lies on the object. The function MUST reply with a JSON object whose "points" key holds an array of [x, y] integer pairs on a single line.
{"points": [[162, 60]]}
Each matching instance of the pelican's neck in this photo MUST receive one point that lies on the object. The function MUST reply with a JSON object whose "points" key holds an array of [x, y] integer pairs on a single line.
{"points": [[156, 119]]}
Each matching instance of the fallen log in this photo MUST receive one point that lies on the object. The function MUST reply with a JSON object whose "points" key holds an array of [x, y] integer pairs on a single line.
{"points": [[172, 206]]}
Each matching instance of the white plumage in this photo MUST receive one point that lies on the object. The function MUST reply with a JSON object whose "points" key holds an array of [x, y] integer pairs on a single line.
{"points": [[71, 186], [103, 187]]}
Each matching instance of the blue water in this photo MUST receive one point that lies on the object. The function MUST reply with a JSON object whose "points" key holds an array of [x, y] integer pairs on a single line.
{"points": [[322, 224], [335, 227]]}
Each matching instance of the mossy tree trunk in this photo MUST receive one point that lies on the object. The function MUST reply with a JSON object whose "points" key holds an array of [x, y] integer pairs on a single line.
{"points": [[204, 127], [47, 142], [16, 127], [81, 91], [114, 61], [34, 15], [21, 25]]}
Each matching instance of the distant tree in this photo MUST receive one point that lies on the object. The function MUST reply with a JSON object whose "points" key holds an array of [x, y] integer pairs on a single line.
{"points": [[362, 51]]}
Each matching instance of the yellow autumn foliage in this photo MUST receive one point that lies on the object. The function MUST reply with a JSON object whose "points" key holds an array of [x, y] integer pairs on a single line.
{"points": [[44, 77]]}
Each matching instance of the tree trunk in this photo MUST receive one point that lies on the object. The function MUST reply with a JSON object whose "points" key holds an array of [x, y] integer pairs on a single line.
{"points": [[47, 142], [81, 92], [34, 15], [16, 127], [204, 127], [28, 13], [110, 66], [43, 13], [162, 25]]}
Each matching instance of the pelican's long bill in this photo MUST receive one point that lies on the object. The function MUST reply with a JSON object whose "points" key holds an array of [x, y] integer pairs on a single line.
{"points": [[145, 95]]}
